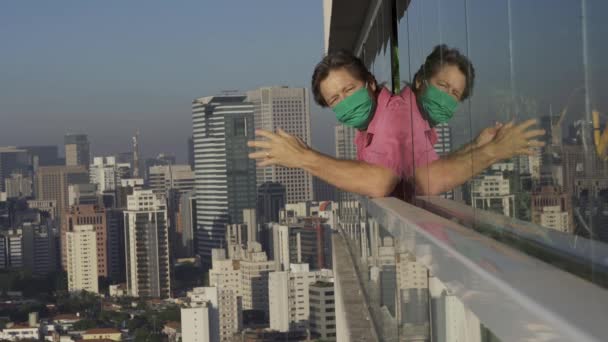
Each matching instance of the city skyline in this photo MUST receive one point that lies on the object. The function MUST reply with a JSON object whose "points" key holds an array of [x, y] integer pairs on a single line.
{"points": [[106, 84]]}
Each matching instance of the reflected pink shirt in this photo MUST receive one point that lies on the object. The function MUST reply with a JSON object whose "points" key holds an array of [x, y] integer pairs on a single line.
{"points": [[398, 138]]}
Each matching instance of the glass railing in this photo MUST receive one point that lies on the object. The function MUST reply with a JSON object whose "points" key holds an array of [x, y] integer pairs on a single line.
{"points": [[406, 274]]}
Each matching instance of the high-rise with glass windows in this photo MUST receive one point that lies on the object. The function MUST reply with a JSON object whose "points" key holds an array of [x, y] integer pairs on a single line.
{"points": [[77, 150], [225, 178], [288, 109], [345, 142]]}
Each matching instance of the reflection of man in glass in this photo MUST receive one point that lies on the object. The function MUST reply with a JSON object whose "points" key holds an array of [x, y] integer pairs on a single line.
{"points": [[395, 134]]}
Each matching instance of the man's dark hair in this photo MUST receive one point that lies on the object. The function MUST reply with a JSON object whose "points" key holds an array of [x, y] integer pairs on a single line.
{"points": [[443, 55], [335, 61]]}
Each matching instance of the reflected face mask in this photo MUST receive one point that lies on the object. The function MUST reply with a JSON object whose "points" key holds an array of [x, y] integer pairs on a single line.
{"points": [[439, 105], [355, 110]]}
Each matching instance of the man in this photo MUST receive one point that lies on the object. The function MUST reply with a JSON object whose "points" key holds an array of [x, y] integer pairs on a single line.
{"points": [[395, 134]]}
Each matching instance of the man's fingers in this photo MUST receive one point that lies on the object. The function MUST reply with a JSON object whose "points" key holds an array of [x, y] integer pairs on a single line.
{"points": [[258, 155], [536, 143], [266, 162], [266, 134], [259, 144], [526, 124], [534, 133], [282, 133]]}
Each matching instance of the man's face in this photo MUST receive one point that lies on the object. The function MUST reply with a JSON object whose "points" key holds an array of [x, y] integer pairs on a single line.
{"points": [[338, 85], [450, 80]]}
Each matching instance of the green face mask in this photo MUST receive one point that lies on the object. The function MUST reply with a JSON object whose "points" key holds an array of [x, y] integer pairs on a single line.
{"points": [[439, 106], [355, 110]]}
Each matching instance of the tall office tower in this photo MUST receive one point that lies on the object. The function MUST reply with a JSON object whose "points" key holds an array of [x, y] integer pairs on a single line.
{"points": [[225, 177], [552, 208], [147, 246], [95, 216], [52, 184], [191, 152], [322, 318], [12, 160], [77, 150], [43, 155], [18, 185], [255, 268], [116, 244], [200, 319], [345, 142], [289, 302], [40, 248], [82, 259], [250, 219], [490, 191], [288, 109], [160, 159], [163, 178], [323, 191], [185, 225], [272, 197], [13, 242], [305, 241], [135, 155], [106, 173], [443, 147], [236, 240]]}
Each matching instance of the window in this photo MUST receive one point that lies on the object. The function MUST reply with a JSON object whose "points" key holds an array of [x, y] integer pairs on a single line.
{"points": [[240, 127]]}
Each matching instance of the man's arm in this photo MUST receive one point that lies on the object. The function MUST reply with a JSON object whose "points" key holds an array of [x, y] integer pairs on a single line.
{"points": [[348, 175], [455, 169], [351, 175]]}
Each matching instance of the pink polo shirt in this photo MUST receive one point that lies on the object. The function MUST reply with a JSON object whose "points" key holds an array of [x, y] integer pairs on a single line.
{"points": [[398, 138]]}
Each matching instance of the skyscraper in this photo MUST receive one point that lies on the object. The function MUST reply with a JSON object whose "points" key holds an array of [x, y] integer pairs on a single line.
{"points": [[322, 310], [52, 184], [271, 199], [94, 216], [147, 246], [18, 185], [82, 259], [43, 155], [162, 178], [288, 109], [12, 160], [225, 180], [345, 142], [107, 173], [77, 150], [443, 147]]}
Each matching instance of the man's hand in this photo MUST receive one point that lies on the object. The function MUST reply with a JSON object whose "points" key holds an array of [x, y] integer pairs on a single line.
{"points": [[511, 140], [279, 149], [487, 135]]}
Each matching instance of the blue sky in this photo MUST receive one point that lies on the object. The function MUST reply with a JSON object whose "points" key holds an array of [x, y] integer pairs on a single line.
{"points": [[106, 68]]}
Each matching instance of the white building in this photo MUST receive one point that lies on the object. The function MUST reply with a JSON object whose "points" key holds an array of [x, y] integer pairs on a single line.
{"points": [[491, 191], [288, 109], [20, 332], [553, 217], [452, 321], [82, 259], [18, 185], [322, 318], [255, 268], [200, 319], [165, 177], [147, 246], [289, 302], [107, 173]]}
